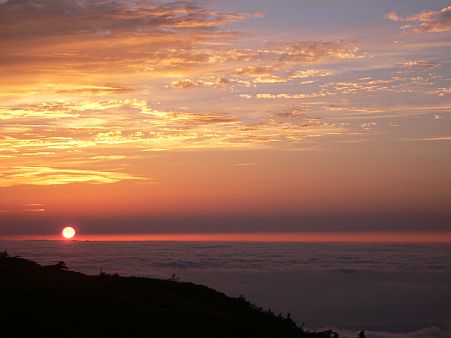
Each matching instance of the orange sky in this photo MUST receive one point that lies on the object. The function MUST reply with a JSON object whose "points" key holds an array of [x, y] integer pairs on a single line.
{"points": [[136, 117]]}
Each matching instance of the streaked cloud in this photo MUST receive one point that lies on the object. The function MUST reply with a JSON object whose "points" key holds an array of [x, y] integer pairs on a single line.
{"points": [[301, 74], [436, 138], [420, 64], [11, 176], [72, 133]]}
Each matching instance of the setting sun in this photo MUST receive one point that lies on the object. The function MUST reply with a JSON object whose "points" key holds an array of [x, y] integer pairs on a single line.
{"points": [[68, 232]]}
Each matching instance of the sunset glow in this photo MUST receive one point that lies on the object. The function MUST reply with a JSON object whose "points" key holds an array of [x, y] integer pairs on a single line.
{"points": [[224, 116]]}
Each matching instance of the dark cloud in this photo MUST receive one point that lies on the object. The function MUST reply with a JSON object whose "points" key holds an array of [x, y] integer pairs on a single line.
{"points": [[94, 35], [27, 18]]}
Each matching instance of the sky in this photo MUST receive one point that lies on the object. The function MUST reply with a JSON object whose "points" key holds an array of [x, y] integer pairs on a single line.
{"points": [[136, 116]]}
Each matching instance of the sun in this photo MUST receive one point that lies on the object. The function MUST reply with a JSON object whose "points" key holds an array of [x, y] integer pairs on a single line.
{"points": [[68, 232]]}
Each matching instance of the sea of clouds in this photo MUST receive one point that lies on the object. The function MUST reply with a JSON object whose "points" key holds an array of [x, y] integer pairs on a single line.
{"points": [[390, 290]]}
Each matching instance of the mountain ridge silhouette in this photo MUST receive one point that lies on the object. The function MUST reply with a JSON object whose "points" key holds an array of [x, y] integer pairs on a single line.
{"points": [[53, 301]]}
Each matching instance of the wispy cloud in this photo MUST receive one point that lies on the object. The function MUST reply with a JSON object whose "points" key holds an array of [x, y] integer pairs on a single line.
{"points": [[436, 138], [86, 132], [11, 176], [420, 64]]}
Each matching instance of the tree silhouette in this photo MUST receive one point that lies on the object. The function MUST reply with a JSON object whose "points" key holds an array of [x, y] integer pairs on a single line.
{"points": [[61, 265], [174, 278]]}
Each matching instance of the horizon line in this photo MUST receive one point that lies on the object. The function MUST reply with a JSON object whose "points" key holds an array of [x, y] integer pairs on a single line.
{"points": [[276, 237]]}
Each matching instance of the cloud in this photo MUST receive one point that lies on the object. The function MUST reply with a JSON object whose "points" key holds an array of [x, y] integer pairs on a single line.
{"points": [[420, 64], [288, 95], [11, 176], [441, 91], [90, 90], [246, 164], [426, 21], [411, 83], [276, 64], [66, 35], [34, 207], [255, 75], [220, 83], [85, 81], [111, 48], [393, 16], [296, 113], [269, 79], [280, 275], [67, 126], [311, 52], [256, 70], [435, 138], [301, 74], [104, 133], [108, 157], [31, 18]]}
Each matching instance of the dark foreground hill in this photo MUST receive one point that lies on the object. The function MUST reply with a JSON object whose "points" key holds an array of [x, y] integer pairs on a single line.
{"points": [[51, 301]]}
